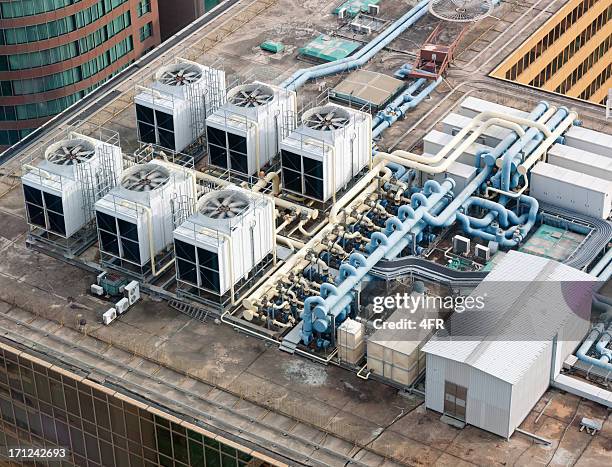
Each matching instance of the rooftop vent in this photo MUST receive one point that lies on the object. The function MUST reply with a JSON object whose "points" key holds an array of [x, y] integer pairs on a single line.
{"points": [[252, 95], [181, 74], [327, 119], [225, 204], [147, 178], [70, 152], [461, 11]]}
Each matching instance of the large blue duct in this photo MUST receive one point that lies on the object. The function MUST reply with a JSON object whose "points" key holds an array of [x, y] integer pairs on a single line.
{"points": [[301, 76], [596, 332], [332, 304], [398, 108]]}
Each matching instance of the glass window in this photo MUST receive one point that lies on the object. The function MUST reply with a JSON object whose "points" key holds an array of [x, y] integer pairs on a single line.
{"points": [[146, 31], [144, 7]]}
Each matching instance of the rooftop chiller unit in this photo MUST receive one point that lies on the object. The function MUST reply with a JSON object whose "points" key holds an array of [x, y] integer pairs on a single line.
{"points": [[245, 133], [136, 219], [60, 190], [231, 235], [330, 147], [172, 110]]}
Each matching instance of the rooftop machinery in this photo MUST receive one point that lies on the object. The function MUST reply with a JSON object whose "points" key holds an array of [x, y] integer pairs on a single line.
{"points": [[328, 150], [171, 111], [136, 219], [60, 190], [244, 134], [229, 237]]}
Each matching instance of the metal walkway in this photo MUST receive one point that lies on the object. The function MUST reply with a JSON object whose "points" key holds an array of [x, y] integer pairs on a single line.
{"points": [[427, 270], [595, 241]]}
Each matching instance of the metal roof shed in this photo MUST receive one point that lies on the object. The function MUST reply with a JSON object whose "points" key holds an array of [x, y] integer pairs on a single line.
{"points": [[490, 366]]}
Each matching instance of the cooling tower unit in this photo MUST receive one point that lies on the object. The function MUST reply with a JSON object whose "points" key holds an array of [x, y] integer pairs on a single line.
{"points": [[61, 189], [172, 111], [332, 145], [244, 134], [136, 219], [231, 234]]}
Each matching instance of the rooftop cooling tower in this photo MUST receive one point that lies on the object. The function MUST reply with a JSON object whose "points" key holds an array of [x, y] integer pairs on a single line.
{"points": [[136, 219], [172, 111], [232, 233], [61, 189], [332, 145], [244, 134]]}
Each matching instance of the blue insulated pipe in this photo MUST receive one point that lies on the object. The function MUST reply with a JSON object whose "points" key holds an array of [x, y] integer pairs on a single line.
{"points": [[301, 76]]}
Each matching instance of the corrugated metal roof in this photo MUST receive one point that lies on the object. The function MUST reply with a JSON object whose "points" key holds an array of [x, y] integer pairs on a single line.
{"points": [[526, 305]]}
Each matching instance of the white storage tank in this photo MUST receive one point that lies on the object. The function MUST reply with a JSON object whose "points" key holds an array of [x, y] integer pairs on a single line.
{"points": [[589, 140], [350, 340], [61, 189], [330, 147], [453, 123], [579, 160], [136, 219], [472, 106], [231, 233], [244, 134], [572, 190], [462, 174], [435, 140], [172, 110]]}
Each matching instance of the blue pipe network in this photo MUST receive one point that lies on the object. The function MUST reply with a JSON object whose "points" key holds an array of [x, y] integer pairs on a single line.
{"points": [[450, 213], [595, 333], [400, 106], [301, 76], [527, 143], [334, 300]]}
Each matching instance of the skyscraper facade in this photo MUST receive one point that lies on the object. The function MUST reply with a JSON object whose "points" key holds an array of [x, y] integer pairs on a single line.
{"points": [[53, 52]]}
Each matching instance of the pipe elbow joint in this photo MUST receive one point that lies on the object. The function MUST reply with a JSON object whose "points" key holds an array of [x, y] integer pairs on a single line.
{"points": [[346, 271], [393, 224], [406, 212], [328, 289], [357, 260]]}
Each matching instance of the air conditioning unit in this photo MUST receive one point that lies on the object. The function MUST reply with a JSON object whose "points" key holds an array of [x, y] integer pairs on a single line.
{"points": [[244, 134], [232, 233], [132, 292], [122, 305], [136, 219], [109, 316], [482, 252], [61, 189], [172, 110], [461, 245], [331, 146]]}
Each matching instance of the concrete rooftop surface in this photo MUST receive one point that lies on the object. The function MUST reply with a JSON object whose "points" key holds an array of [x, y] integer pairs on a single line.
{"points": [[294, 410]]}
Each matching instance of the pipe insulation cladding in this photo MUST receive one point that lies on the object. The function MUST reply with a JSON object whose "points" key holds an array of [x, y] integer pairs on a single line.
{"points": [[301, 76]]}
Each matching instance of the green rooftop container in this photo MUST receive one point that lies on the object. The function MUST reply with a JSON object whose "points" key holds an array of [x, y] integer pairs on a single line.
{"points": [[328, 49], [271, 46]]}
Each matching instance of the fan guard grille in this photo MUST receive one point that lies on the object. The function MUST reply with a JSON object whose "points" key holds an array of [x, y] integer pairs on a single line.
{"points": [[461, 11], [327, 118], [70, 152], [225, 204], [148, 177], [182, 74], [252, 95]]}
